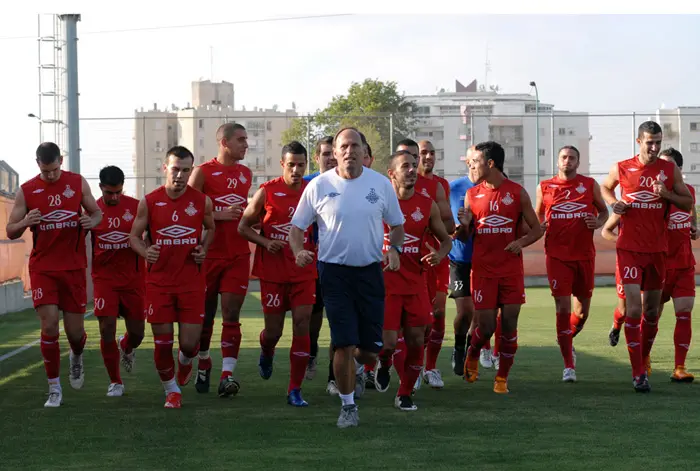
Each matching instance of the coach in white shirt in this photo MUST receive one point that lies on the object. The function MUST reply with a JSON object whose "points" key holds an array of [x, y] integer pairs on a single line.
{"points": [[350, 205]]}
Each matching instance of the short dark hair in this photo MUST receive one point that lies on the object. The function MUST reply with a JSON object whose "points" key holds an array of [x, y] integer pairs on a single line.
{"points": [[181, 152], [112, 176], [492, 150], [674, 154], [226, 130], [294, 147], [324, 140], [649, 127], [369, 150], [47, 153], [407, 142], [396, 155], [363, 138], [578, 154]]}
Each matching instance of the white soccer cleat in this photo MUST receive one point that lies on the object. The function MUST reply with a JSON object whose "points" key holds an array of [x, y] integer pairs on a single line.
{"points": [[310, 369], [496, 360], [55, 398], [77, 372], [433, 378], [127, 359], [486, 358], [416, 386], [115, 390], [332, 388], [569, 375]]}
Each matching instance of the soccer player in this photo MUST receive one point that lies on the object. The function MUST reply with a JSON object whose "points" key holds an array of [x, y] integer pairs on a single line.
{"points": [[407, 305], [567, 205], [227, 267], [174, 215], [350, 205], [648, 186], [325, 161], [118, 276], [496, 207], [679, 283], [283, 286], [51, 205]]}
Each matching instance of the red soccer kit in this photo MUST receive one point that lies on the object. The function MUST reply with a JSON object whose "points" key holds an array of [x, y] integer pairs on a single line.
{"points": [[283, 285], [680, 262], [497, 276], [175, 284], [642, 241], [58, 259], [568, 242], [227, 266], [438, 278], [406, 302], [118, 273]]}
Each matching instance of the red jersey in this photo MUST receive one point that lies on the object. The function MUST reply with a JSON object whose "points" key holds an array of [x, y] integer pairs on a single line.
{"points": [[643, 226], [113, 260], [566, 204], [680, 251], [59, 239], [280, 203], [427, 187], [496, 215], [416, 212], [445, 185], [176, 225], [226, 185]]}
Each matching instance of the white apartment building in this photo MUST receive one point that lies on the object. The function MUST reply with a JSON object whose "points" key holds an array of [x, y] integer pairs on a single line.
{"points": [[453, 121], [194, 127], [681, 128]]}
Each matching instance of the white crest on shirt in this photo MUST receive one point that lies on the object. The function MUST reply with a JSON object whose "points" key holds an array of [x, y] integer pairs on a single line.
{"points": [[507, 199], [68, 192], [191, 210], [581, 189], [417, 215], [424, 192], [242, 179], [127, 216], [662, 176]]}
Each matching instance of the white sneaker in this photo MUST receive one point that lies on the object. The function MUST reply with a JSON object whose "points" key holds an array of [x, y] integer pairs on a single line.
{"points": [[485, 358], [416, 386], [332, 388], [127, 360], [433, 378], [496, 360], [569, 375], [77, 372], [573, 354], [55, 397], [310, 369], [115, 390]]}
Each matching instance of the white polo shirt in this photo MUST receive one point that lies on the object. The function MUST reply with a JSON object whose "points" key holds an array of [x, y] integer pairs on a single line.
{"points": [[350, 215]]}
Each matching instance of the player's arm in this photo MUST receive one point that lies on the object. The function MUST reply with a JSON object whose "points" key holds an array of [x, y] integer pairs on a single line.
{"points": [[200, 251], [531, 220], [437, 227], [444, 208], [600, 206], [251, 217], [680, 197], [539, 209], [20, 219], [609, 226], [94, 214], [138, 244], [304, 216], [693, 224], [607, 190], [465, 228]]}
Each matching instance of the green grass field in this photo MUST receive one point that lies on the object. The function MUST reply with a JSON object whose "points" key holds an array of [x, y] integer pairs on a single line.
{"points": [[597, 423]]}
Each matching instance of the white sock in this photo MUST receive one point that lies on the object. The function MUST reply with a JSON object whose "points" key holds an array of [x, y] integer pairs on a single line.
{"points": [[359, 368], [183, 359], [55, 383], [229, 364], [203, 355], [348, 399], [170, 386]]}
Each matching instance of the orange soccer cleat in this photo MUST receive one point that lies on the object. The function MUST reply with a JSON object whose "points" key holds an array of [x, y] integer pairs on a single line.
{"points": [[173, 400], [500, 385], [681, 376], [471, 370]]}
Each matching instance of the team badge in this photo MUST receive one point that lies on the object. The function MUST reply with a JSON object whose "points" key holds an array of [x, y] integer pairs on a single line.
{"points": [[424, 192], [581, 189], [507, 199], [191, 211], [243, 179], [68, 192], [128, 216], [662, 176], [417, 215], [372, 196]]}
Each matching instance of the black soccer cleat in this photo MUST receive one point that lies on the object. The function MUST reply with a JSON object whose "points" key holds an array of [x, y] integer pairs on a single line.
{"points": [[369, 380], [405, 403], [459, 355], [202, 384], [614, 336], [382, 378], [228, 387], [641, 384]]}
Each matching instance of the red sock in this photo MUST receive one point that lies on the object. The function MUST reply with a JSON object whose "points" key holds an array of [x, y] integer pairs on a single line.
{"points": [[230, 339], [477, 343], [399, 357], [497, 335], [437, 334], [268, 344], [205, 337], [618, 319], [577, 324], [650, 327], [411, 370], [681, 336], [51, 352], [633, 335], [163, 356], [370, 366], [509, 345], [564, 336], [124, 343], [298, 359], [110, 356], [386, 357], [487, 345], [78, 346]]}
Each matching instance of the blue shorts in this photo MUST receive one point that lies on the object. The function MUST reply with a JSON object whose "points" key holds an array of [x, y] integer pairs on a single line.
{"points": [[354, 299]]}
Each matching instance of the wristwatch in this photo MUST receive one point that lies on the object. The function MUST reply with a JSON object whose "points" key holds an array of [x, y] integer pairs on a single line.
{"points": [[398, 248]]}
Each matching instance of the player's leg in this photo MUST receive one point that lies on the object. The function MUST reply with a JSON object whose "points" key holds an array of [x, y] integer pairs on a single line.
{"points": [[682, 333], [561, 280], [620, 310], [432, 375], [393, 310], [134, 314], [460, 274], [72, 298], [107, 312], [273, 297], [214, 270], [652, 284], [163, 340], [315, 325], [189, 333], [509, 345], [301, 298], [413, 337], [485, 297], [582, 289], [50, 348], [234, 286], [631, 271]]}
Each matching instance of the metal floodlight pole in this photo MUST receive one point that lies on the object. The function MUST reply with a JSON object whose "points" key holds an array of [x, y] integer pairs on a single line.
{"points": [[70, 29], [537, 132]]}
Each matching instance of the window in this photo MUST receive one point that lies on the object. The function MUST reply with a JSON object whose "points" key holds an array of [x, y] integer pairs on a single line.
{"points": [[159, 181], [201, 124], [201, 142], [518, 133], [269, 126], [518, 152], [269, 143], [157, 144], [694, 147], [542, 132], [693, 167], [542, 153], [562, 131], [695, 126]]}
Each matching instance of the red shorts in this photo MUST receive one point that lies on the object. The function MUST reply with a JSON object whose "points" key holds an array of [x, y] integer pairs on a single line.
{"points": [[571, 277], [111, 302], [438, 278], [489, 293], [407, 310], [168, 308], [228, 275], [645, 269], [278, 298], [680, 283], [65, 289]]}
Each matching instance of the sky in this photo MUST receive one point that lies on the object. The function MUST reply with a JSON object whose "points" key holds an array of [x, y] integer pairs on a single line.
{"points": [[594, 63]]}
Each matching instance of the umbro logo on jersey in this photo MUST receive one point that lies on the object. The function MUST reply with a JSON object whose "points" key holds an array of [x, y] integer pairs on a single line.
{"points": [[424, 192], [285, 228], [480, 196], [679, 217], [175, 231], [161, 203], [495, 220], [231, 199], [216, 174], [38, 190], [410, 244], [280, 194], [643, 196], [569, 207], [58, 215], [407, 239], [114, 237]]}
